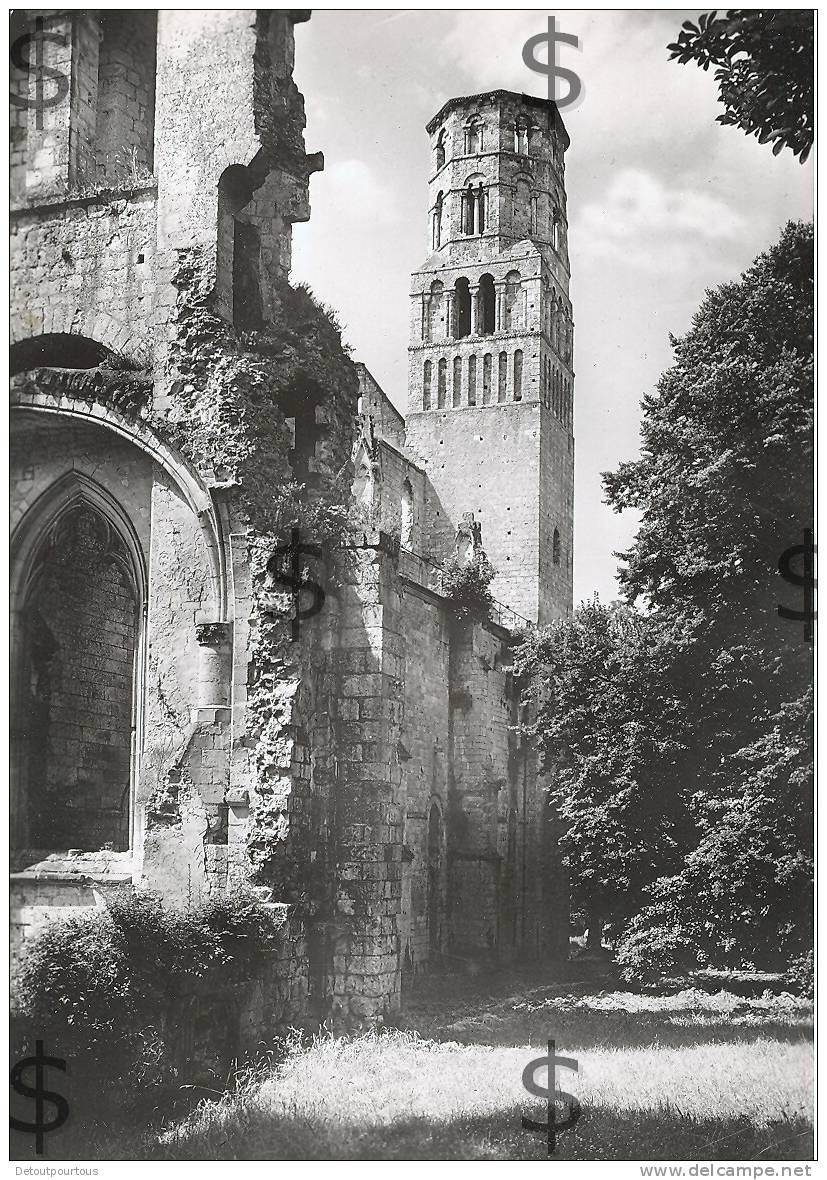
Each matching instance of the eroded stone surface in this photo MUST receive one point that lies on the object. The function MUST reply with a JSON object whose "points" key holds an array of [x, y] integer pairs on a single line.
{"points": [[366, 778]]}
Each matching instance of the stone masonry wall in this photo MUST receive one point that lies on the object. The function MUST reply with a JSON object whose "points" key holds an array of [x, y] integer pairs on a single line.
{"points": [[86, 268], [425, 737], [485, 461]]}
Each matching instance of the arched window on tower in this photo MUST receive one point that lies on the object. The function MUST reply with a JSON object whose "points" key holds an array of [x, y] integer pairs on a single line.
{"points": [[462, 308], [456, 388], [426, 385], [473, 137], [472, 381], [555, 547], [556, 222], [436, 327], [440, 150], [473, 207], [437, 235], [441, 382], [521, 137], [406, 516], [486, 379], [518, 375], [487, 305], [502, 378]]}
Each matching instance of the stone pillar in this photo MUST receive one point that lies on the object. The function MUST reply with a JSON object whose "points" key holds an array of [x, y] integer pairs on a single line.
{"points": [[370, 679], [449, 314], [476, 311], [215, 641], [500, 320]]}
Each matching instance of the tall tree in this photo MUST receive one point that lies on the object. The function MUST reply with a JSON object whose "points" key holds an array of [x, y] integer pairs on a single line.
{"points": [[724, 486], [609, 728], [765, 69]]}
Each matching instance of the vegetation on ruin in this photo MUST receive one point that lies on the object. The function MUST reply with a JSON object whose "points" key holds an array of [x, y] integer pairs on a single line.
{"points": [[234, 392], [679, 726], [466, 587], [764, 67], [107, 987], [249, 408]]}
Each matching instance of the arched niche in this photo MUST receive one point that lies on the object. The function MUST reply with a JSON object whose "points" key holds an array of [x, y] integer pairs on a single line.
{"points": [[211, 514], [78, 592]]}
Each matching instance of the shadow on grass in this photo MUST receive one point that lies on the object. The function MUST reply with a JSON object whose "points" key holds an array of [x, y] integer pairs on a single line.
{"points": [[603, 1133], [593, 1029]]}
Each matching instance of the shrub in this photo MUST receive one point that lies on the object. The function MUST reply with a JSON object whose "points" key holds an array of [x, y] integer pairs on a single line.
{"points": [[103, 987], [801, 974], [652, 948], [466, 587]]}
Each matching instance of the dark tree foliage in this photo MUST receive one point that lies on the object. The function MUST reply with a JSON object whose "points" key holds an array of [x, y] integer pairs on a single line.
{"points": [[764, 61], [724, 486], [609, 727]]}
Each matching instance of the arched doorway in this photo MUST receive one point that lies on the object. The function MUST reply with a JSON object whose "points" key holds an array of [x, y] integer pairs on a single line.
{"points": [[77, 628]]}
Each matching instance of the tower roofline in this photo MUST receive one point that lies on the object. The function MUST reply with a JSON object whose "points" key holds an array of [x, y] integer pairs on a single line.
{"points": [[494, 95]]}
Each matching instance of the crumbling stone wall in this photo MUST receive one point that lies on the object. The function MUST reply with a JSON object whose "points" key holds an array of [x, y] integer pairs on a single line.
{"points": [[125, 116], [168, 374]]}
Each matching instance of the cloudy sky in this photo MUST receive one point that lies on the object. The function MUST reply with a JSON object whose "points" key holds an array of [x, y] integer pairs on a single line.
{"points": [[663, 202]]}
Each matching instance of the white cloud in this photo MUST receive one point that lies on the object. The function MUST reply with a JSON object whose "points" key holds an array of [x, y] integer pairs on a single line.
{"points": [[651, 225], [360, 195]]}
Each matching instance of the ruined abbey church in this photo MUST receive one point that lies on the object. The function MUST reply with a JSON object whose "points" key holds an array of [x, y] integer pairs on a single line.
{"points": [[187, 720]]}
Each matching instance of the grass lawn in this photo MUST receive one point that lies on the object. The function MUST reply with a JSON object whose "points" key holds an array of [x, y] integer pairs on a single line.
{"points": [[691, 1076]]}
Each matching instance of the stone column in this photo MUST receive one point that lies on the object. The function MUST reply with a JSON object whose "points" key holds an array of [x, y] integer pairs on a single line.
{"points": [[500, 314], [215, 641], [476, 311], [449, 314]]}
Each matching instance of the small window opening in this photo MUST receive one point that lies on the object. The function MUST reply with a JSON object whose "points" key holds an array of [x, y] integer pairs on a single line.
{"points": [[442, 373], [437, 235], [462, 308], [440, 150], [472, 381], [487, 305]]}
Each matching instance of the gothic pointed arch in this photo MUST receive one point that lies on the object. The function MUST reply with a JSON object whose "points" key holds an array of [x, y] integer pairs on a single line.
{"points": [[78, 589]]}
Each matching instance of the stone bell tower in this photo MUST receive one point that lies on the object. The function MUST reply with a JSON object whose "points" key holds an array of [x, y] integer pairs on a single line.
{"points": [[490, 386]]}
